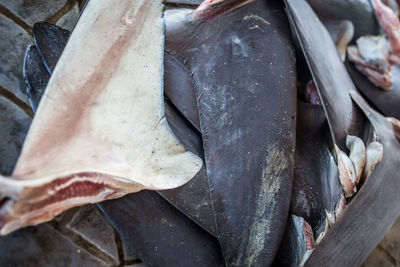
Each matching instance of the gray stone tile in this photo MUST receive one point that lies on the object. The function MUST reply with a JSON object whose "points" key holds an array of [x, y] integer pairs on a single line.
{"points": [[32, 11], [68, 20], [391, 241], [14, 41], [42, 246], [377, 258], [14, 124], [92, 226]]}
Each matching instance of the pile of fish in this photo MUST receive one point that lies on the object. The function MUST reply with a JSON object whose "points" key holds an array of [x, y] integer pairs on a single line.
{"points": [[235, 124]]}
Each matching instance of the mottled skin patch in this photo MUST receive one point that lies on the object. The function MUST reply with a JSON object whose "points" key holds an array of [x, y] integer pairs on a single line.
{"points": [[275, 164]]}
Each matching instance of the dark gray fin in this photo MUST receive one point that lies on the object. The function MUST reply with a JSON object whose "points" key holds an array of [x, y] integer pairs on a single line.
{"points": [[360, 12], [36, 76], [342, 33], [373, 209], [330, 75], [159, 234], [50, 41], [243, 68], [385, 101], [316, 185], [193, 199], [179, 88], [184, 2], [298, 243]]}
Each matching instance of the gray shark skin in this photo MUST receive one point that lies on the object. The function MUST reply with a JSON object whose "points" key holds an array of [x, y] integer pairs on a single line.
{"points": [[360, 12], [316, 185], [179, 89], [385, 101], [375, 207], [159, 234], [36, 76], [244, 77], [115, 210], [52, 40], [330, 75]]}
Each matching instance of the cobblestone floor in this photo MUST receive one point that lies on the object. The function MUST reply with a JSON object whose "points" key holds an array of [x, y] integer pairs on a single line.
{"points": [[81, 236]]}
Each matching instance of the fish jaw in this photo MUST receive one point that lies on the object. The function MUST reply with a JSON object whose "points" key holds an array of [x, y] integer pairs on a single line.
{"points": [[26, 202]]}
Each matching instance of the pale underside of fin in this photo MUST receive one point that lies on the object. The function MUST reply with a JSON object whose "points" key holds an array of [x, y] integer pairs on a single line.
{"points": [[102, 115]]}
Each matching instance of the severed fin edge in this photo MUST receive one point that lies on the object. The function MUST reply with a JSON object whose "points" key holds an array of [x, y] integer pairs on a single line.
{"points": [[110, 169], [192, 198]]}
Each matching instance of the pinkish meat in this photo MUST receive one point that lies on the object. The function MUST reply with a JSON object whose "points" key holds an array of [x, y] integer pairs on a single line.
{"points": [[312, 95], [390, 23], [377, 76], [394, 59], [382, 80], [393, 4]]}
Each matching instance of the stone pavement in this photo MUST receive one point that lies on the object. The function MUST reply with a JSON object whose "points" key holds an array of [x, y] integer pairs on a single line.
{"points": [[81, 236]]}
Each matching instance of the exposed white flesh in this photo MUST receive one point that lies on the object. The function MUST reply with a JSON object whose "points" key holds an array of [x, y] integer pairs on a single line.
{"points": [[347, 173], [374, 50], [340, 207], [331, 217], [102, 112], [377, 76], [374, 155], [357, 154], [323, 233]]}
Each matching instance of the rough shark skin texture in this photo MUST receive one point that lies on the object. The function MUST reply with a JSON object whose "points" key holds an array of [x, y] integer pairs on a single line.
{"points": [[247, 100], [385, 101], [316, 186], [330, 76], [54, 39], [193, 198], [360, 12], [374, 208], [160, 222], [88, 145], [342, 32], [161, 235]]}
